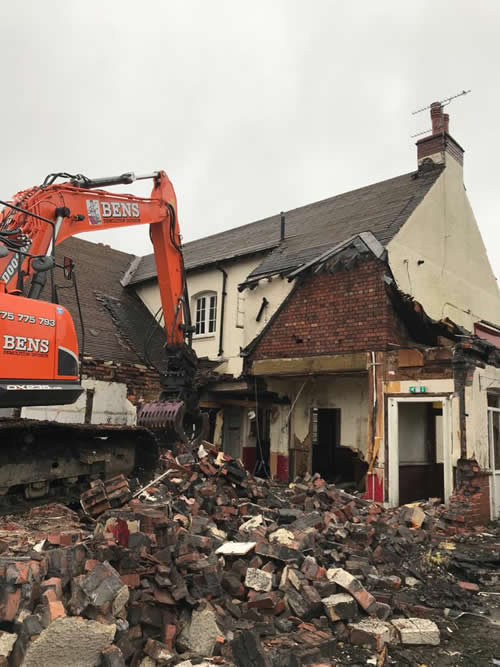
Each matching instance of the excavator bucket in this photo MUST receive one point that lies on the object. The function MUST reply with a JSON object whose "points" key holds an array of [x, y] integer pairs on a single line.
{"points": [[174, 423]]}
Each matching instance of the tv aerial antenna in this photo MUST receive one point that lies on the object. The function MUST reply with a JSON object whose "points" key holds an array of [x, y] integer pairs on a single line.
{"points": [[443, 103]]}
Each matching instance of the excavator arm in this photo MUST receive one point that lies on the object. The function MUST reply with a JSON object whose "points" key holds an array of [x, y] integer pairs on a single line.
{"points": [[31, 225], [56, 212]]}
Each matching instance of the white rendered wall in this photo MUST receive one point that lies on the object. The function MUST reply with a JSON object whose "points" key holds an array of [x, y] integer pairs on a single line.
{"points": [[110, 406]]}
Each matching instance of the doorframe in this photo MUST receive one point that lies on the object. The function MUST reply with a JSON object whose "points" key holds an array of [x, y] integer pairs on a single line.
{"points": [[393, 443], [493, 464]]}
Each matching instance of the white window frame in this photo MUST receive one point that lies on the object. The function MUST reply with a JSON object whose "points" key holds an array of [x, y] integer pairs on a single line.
{"points": [[207, 319], [494, 465]]}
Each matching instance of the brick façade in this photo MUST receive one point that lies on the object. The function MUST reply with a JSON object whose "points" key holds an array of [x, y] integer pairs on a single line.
{"points": [[334, 313]]}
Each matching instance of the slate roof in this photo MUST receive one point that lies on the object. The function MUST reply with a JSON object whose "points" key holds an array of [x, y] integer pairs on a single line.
{"points": [[115, 319], [381, 208]]}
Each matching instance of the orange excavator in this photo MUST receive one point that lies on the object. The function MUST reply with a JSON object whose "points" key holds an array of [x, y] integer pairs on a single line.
{"points": [[39, 355]]}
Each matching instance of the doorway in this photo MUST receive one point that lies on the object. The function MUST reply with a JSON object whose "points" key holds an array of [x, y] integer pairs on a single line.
{"points": [[325, 441], [494, 444], [419, 449], [231, 441]]}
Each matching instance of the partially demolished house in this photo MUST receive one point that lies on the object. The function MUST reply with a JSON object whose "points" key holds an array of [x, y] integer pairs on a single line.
{"points": [[357, 337]]}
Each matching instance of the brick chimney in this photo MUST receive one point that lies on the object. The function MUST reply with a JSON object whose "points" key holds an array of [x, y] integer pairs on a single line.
{"points": [[439, 145]]}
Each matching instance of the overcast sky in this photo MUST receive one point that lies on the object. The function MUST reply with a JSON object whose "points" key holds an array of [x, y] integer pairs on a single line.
{"points": [[251, 107]]}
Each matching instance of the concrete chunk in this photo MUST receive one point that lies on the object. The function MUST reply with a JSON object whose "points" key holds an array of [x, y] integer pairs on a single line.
{"points": [[371, 632], [282, 536], [413, 515], [417, 631], [258, 580], [7, 641], [201, 634], [70, 641]]}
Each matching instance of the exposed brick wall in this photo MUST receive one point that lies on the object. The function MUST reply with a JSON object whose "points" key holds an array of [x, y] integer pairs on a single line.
{"points": [[470, 502], [142, 383], [334, 313]]}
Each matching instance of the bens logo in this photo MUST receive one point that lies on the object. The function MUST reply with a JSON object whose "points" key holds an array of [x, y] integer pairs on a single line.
{"points": [[25, 344], [110, 209]]}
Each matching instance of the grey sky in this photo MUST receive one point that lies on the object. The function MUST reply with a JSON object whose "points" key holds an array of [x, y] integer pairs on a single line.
{"points": [[250, 107]]}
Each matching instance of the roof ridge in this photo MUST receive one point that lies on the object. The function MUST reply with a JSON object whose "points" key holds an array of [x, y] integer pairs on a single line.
{"points": [[291, 210]]}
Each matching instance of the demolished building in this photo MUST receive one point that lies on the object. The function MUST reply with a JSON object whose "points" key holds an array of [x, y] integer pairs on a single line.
{"points": [[357, 337]]}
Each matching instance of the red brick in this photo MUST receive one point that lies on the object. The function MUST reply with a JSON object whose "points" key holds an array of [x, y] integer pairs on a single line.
{"points": [[54, 609], [468, 586], [131, 580], [53, 584]]}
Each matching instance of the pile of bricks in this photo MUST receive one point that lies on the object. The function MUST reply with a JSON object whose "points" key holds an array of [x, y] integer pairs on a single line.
{"points": [[219, 566], [105, 494]]}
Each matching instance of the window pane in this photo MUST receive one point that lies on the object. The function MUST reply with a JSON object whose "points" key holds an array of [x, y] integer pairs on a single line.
{"points": [[212, 315], [494, 400], [314, 416], [200, 315]]}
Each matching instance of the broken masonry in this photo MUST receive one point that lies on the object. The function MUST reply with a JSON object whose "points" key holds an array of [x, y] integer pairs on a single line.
{"points": [[212, 563]]}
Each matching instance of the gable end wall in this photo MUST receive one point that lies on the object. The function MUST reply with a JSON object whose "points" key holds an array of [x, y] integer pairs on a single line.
{"points": [[347, 311]]}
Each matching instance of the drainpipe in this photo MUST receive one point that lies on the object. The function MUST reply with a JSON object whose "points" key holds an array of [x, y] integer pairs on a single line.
{"points": [[460, 379], [224, 293]]}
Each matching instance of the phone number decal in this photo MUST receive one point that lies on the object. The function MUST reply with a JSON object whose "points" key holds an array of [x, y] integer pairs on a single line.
{"points": [[27, 319]]}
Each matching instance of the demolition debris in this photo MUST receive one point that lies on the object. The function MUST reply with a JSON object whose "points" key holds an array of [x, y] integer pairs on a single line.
{"points": [[210, 565]]}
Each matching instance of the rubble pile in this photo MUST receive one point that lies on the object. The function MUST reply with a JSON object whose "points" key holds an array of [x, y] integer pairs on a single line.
{"points": [[212, 564]]}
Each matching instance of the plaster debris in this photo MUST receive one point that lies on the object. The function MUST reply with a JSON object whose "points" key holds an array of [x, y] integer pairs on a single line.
{"points": [[235, 548]]}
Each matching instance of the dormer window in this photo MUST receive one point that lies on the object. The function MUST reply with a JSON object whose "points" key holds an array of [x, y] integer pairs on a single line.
{"points": [[206, 314]]}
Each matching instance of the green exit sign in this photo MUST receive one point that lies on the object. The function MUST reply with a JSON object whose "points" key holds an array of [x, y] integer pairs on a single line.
{"points": [[418, 390]]}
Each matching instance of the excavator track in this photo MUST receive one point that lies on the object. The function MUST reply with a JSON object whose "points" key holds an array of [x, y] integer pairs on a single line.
{"points": [[43, 460]]}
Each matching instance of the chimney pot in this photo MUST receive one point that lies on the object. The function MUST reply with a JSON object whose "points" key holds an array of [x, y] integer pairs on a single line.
{"points": [[439, 144], [446, 122], [437, 118], [282, 226]]}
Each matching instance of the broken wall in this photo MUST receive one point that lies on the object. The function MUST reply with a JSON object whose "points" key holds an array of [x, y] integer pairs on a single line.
{"points": [[293, 422], [112, 393], [109, 405]]}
